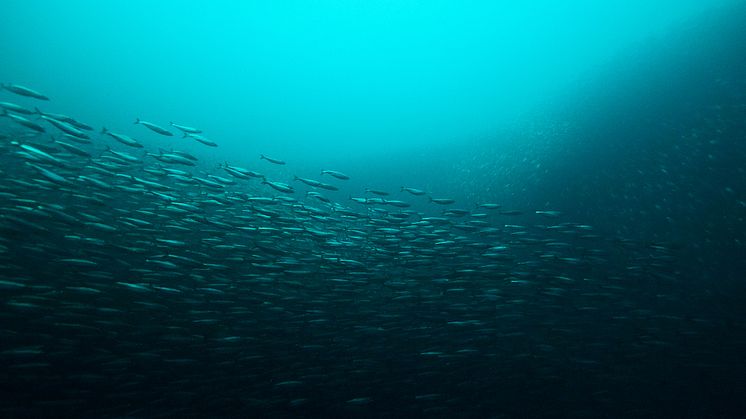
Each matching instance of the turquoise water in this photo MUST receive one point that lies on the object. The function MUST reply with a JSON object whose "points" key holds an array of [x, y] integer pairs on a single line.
{"points": [[322, 81]]}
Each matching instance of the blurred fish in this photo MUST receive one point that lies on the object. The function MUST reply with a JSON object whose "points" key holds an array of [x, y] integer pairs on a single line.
{"points": [[442, 201], [185, 129], [23, 91], [23, 121], [336, 174], [201, 139], [124, 139], [15, 108], [271, 160], [413, 191], [153, 127]]}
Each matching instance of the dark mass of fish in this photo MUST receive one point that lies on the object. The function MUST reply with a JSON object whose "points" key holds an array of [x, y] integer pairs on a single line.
{"points": [[140, 282], [124, 270]]}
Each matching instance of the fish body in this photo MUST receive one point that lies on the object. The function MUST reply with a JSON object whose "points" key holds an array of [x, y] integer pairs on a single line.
{"points": [[336, 174], [271, 160], [155, 128], [23, 91], [124, 139], [185, 129]]}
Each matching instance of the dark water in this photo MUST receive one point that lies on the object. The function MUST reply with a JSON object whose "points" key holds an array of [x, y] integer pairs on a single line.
{"points": [[591, 265]]}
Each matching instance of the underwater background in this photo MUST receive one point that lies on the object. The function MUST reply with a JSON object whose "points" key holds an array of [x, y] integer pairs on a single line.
{"points": [[373, 209]]}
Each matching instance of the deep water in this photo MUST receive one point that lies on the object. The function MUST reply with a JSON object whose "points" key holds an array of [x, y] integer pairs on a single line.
{"points": [[607, 281]]}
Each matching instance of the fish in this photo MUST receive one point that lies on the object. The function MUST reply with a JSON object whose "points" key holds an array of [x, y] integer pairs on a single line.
{"points": [[173, 158], [336, 174], [377, 192], [271, 160], [511, 212], [73, 149], [66, 128], [201, 139], [185, 129], [149, 277], [64, 118], [240, 172], [413, 191], [309, 182], [442, 201], [50, 175], [15, 108], [23, 91], [327, 186], [489, 206], [397, 203], [124, 139], [23, 121], [549, 214], [278, 186], [155, 128]]}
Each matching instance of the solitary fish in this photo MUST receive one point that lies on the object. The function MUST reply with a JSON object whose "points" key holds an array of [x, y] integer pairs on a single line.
{"points": [[327, 186], [336, 174], [185, 129], [549, 214], [154, 127], [282, 187], [201, 139], [121, 138], [489, 206], [309, 182], [271, 160], [23, 91], [15, 108], [377, 192], [413, 191], [511, 212], [442, 201]]}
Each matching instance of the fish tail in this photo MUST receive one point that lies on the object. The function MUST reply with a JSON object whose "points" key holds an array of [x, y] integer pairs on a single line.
{"points": [[137, 120], [37, 111], [261, 156], [104, 130]]}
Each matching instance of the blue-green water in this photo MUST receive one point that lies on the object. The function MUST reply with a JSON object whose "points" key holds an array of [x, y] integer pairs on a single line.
{"points": [[577, 249]]}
